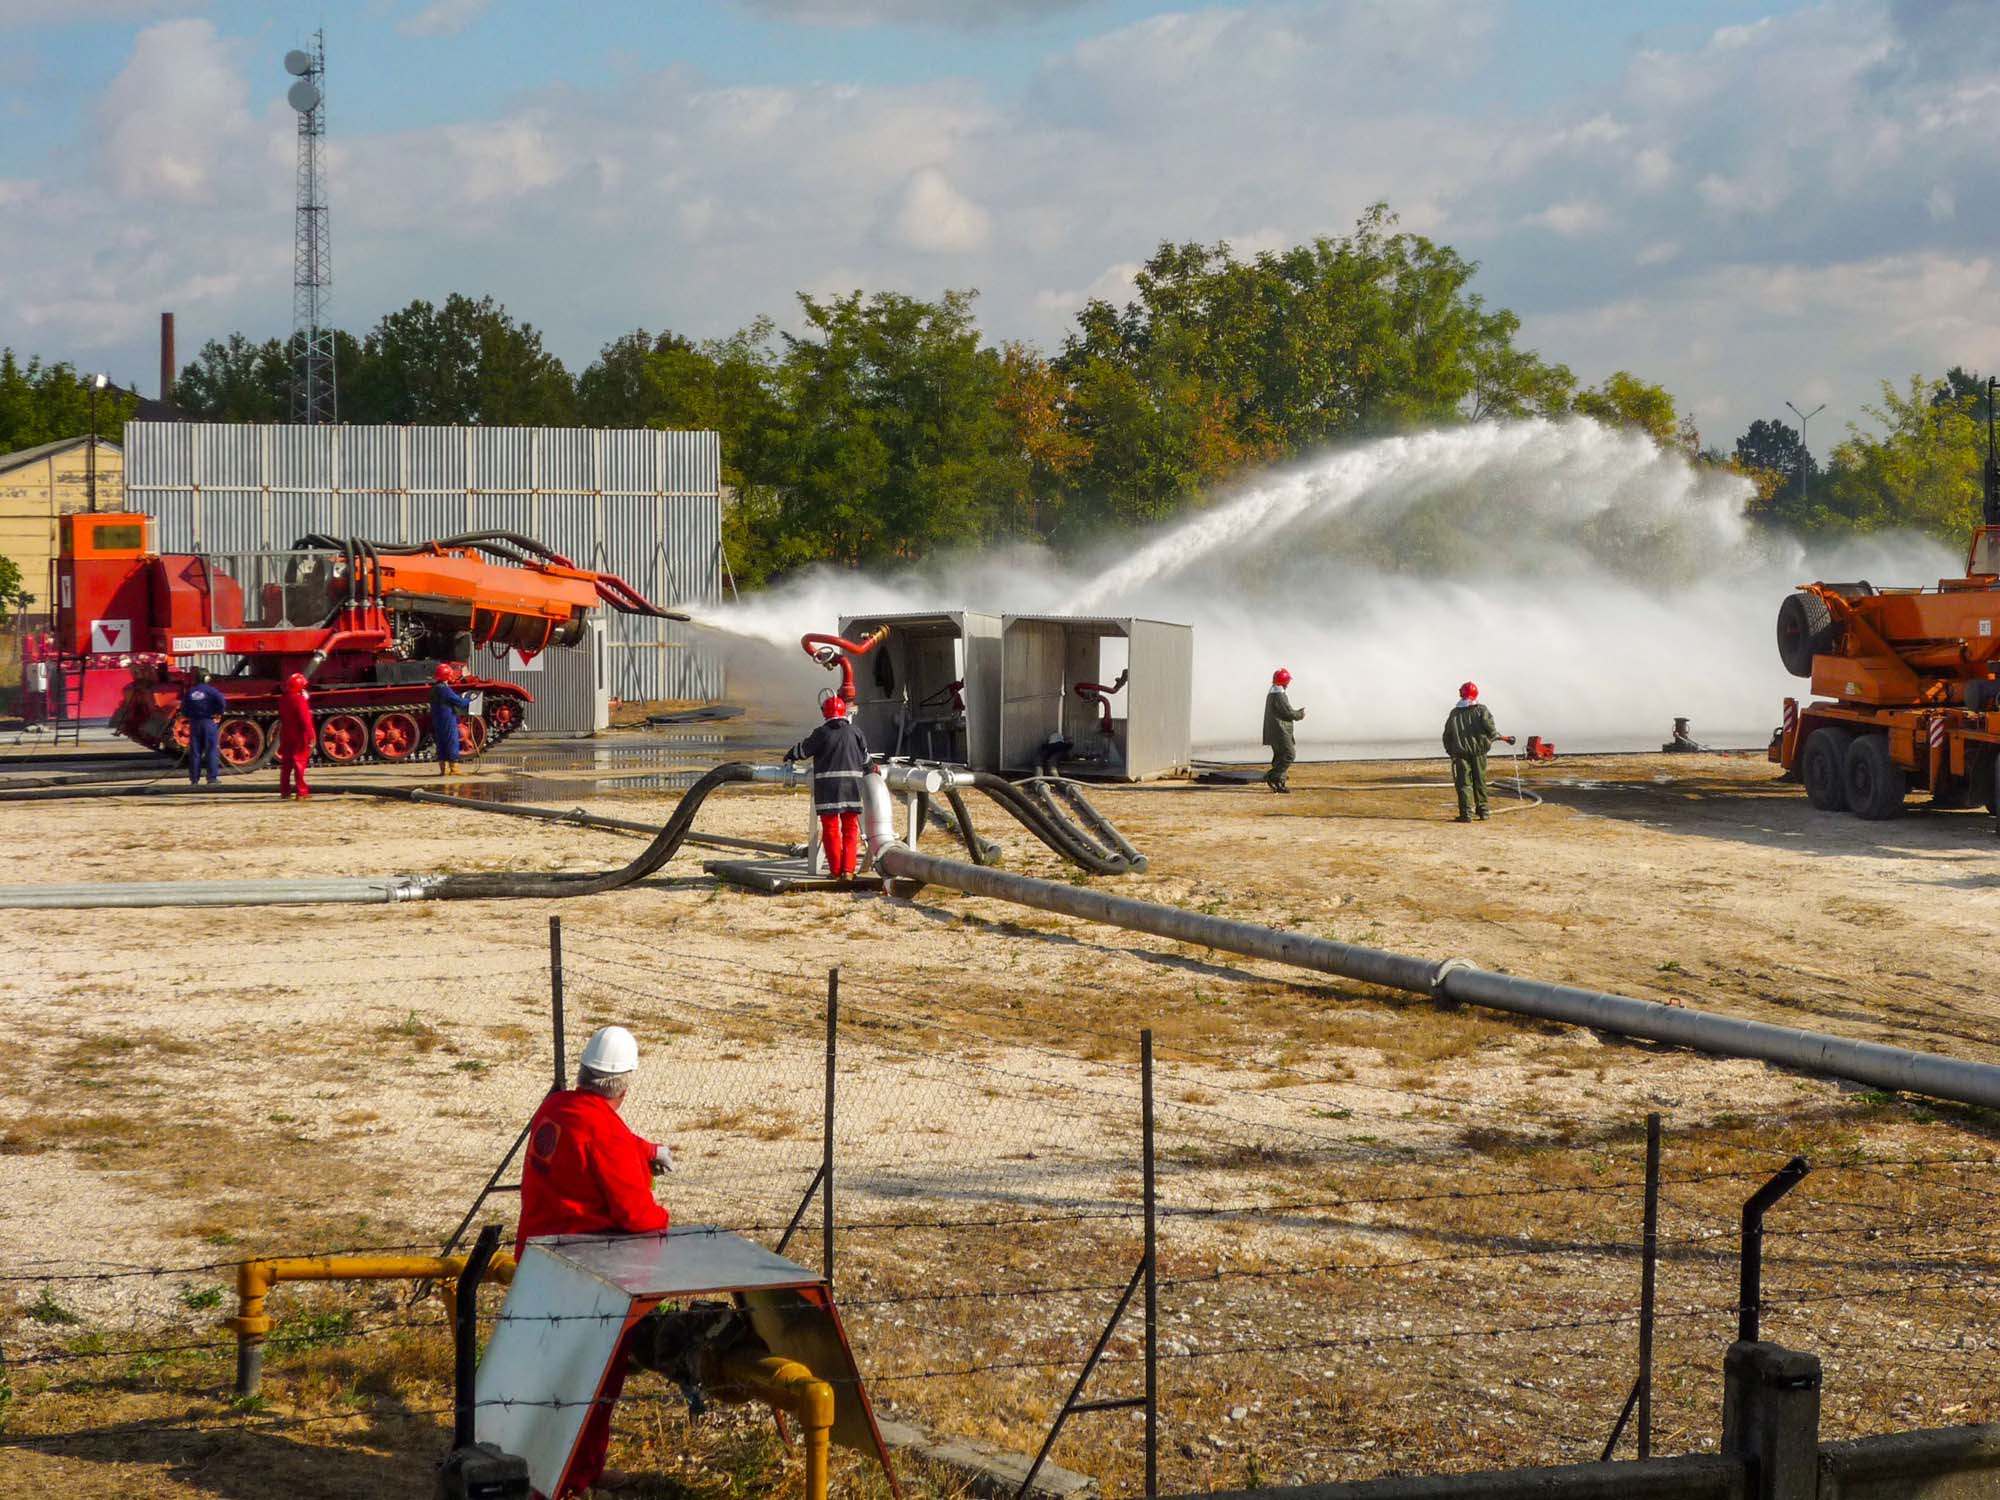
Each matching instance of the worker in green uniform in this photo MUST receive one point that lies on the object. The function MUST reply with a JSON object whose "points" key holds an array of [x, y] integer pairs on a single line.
{"points": [[1279, 716], [1469, 732]]}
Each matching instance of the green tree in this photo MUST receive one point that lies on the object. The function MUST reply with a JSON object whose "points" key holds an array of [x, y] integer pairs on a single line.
{"points": [[464, 363], [1624, 400], [44, 403], [893, 441], [1923, 471]]}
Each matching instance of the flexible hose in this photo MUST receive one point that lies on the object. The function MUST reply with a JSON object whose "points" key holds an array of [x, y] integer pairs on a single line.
{"points": [[1062, 837], [1099, 825], [666, 842], [1037, 790], [978, 849]]}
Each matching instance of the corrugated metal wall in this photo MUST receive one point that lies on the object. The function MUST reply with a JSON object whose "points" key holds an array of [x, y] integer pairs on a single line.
{"points": [[642, 504]]}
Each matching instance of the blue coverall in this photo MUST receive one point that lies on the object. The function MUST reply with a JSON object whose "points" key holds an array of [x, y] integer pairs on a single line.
{"points": [[202, 706], [446, 705]]}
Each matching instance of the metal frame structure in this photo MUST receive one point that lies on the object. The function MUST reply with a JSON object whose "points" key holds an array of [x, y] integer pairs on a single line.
{"points": [[315, 398]]}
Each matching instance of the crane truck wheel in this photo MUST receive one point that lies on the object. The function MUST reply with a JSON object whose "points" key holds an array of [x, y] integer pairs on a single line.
{"points": [[1823, 768], [1805, 630], [1876, 785]]}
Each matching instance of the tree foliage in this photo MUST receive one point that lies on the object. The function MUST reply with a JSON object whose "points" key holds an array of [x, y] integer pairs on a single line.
{"points": [[45, 403], [885, 427]]}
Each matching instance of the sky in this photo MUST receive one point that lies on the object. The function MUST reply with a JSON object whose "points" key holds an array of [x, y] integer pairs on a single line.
{"points": [[1747, 202]]}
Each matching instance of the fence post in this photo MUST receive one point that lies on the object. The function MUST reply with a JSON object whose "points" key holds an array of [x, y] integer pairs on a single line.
{"points": [[1750, 1264], [826, 1125], [1152, 1268], [556, 996], [1649, 1251], [1770, 1419]]}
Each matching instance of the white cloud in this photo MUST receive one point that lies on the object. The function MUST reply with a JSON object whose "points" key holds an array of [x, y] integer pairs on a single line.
{"points": [[937, 217], [1659, 253], [77, 12], [442, 17], [176, 116], [1942, 204], [1575, 216]]}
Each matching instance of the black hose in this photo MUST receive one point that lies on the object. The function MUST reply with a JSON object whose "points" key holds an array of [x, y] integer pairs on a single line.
{"points": [[1099, 825], [1037, 790], [977, 848], [666, 842], [1059, 837], [648, 860]]}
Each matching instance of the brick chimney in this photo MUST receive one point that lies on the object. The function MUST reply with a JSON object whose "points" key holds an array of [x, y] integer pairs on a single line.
{"points": [[167, 356]]}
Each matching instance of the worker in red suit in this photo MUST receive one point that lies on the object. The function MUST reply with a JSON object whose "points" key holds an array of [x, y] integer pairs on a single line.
{"points": [[587, 1172], [295, 738], [840, 759]]}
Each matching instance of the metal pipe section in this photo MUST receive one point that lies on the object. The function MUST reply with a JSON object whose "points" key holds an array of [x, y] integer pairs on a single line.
{"points": [[256, 1278], [358, 890], [1455, 979], [784, 1385]]}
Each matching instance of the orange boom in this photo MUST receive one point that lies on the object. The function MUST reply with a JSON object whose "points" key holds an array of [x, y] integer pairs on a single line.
{"points": [[366, 622]]}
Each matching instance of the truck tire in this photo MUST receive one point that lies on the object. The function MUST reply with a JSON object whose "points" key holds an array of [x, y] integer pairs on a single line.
{"points": [[1823, 768], [1805, 630], [1876, 785]]}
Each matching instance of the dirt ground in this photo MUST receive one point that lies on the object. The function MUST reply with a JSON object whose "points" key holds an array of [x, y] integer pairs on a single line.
{"points": [[1433, 1264]]}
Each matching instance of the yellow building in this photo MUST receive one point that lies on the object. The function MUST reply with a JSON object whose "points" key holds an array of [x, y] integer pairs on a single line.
{"points": [[37, 485]]}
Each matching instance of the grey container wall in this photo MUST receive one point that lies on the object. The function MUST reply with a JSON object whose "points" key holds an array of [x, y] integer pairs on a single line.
{"points": [[926, 651], [645, 505], [1044, 657], [571, 687]]}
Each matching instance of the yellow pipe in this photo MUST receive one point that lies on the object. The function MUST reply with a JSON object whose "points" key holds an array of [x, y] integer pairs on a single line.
{"points": [[790, 1387], [256, 1278]]}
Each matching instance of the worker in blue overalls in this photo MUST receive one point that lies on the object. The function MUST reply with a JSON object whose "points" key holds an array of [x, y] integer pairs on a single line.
{"points": [[202, 705], [447, 703]]}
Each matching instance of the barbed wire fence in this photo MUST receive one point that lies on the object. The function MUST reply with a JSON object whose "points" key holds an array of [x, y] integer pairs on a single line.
{"points": [[1338, 1290]]}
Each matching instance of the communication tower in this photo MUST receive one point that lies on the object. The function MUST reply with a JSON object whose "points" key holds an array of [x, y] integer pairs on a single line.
{"points": [[314, 398]]}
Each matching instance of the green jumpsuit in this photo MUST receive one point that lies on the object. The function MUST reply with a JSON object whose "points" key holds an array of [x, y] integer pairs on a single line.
{"points": [[1279, 716], [1469, 732]]}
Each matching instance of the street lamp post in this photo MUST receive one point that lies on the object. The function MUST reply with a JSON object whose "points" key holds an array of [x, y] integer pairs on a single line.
{"points": [[1805, 459], [97, 383]]}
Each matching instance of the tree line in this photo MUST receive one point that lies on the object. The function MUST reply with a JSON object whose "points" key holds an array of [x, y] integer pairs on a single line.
{"points": [[887, 427]]}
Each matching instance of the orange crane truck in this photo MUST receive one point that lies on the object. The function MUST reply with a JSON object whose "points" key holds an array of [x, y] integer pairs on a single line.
{"points": [[1908, 683], [367, 623]]}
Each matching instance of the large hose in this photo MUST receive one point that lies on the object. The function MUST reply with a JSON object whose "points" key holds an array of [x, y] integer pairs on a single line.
{"points": [[958, 823], [1059, 834], [1451, 979], [666, 842]]}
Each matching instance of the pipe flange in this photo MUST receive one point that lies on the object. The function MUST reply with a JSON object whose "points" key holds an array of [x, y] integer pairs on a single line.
{"points": [[1438, 975]]}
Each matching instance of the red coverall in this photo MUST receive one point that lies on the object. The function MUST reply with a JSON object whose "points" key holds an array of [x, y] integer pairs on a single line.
{"points": [[586, 1172], [295, 742]]}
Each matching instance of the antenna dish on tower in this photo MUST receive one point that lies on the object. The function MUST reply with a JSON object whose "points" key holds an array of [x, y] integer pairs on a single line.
{"points": [[298, 63], [303, 96]]}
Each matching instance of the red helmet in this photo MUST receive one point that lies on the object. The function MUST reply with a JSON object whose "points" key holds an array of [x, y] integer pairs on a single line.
{"points": [[445, 672], [833, 706], [296, 683], [1468, 690], [1281, 678]]}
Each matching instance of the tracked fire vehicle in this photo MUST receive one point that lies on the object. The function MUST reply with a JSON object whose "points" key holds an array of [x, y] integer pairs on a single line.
{"points": [[1908, 682], [368, 623]]}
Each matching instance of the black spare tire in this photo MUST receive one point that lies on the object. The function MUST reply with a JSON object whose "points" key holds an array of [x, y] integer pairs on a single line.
{"points": [[1805, 630]]}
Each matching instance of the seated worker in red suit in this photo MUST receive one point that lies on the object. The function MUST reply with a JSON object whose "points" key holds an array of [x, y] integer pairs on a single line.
{"points": [[587, 1172]]}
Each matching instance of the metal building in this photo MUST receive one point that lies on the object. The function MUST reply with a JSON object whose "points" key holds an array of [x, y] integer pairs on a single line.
{"points": [[1044, 658], [932, 689], [642, 504]]}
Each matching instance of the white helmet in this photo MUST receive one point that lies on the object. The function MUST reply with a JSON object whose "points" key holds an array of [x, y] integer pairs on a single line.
{"points": [[611, 1050]]}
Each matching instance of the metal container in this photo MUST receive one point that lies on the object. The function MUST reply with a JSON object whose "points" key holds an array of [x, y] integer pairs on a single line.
{"points": [[932, 689], [642, 504], [1045, 657], [571, 688]]}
